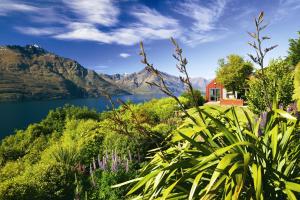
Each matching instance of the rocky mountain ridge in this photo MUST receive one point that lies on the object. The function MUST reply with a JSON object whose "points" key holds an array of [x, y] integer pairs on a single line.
{"points": [[32, 73], [136, 83]]}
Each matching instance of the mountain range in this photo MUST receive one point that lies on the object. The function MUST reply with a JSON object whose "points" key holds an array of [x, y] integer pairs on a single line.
{"points": [[32, 73], [137, 83]]}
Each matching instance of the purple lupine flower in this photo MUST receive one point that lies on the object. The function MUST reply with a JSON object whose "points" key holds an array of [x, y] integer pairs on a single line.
{"points": [[94, 164], [116, 155], [139, 156], [112, 156], [127, 166], [281, 106], [260, 133], [129, 154], [93, 180], [91, 169], [289, 109], [106, 155], [263, 117], [105, 162], [263, 121], [99, 161]]}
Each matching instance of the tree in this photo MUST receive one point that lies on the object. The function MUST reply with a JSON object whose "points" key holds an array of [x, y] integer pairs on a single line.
{"points": [[297, 85], [279, 83], [294, 51], [234, 72], [260, 53], [198, 96]]}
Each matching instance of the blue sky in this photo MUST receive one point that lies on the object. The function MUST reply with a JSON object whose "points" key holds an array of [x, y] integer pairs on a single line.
{"points": [[104, 34]]}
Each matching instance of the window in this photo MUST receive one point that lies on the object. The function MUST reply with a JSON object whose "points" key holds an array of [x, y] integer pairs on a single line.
{"points": [[214, 94]]}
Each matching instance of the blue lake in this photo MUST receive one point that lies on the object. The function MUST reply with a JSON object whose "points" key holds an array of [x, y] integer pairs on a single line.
{"points": [[18, 115]]}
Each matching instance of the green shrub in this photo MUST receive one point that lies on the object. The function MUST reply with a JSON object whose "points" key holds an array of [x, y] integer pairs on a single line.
{"points": [[225, 158], [297, 85], [104, 180], [41, 161], [198, 97], [279, 84]]}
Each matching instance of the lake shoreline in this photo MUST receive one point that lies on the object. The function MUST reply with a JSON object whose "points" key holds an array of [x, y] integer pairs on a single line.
{"points": [[19, 115]]}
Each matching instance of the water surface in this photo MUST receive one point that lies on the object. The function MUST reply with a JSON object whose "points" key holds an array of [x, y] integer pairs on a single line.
{"points": [[18, 115]]}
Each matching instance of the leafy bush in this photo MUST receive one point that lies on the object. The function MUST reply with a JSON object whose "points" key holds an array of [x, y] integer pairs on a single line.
{"points": [[234, 73], [294, 51], [198, 97], [225, 158], [278, 83], [41, 162], [104, 180], [297, 85]]}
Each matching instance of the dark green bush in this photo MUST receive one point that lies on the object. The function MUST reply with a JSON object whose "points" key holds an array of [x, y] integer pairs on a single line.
{"points": [[197, 95]]}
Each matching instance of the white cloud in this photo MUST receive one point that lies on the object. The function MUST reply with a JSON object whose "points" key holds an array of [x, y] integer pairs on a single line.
{"points": [[84, 31], [124, 55], [153, 18], [7, 6], [99, 68], [89, 17], [204, 17], [286, 7], [204, 21], [103, 12], [124, 36], [38, 31]]}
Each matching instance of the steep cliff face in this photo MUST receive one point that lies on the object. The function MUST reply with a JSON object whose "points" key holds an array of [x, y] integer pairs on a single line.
{"points": [[30, 72]]}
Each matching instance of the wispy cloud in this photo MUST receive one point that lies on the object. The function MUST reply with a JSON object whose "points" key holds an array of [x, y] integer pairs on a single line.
{"points": [[285, 8], [38, 31], [204, 17], [99, 21], [7, 6], [149, 24], [103, 12], [153, 18], [100, 68], [204, 20], [124, 55]]}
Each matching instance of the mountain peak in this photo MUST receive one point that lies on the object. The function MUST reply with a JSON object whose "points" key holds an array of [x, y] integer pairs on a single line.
{"points": [[28, 50], [137, 82], [30, 72]]}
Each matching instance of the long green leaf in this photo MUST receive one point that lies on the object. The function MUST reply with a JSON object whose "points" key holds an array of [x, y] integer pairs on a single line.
{"points": [[195, 184], [223, 164]]}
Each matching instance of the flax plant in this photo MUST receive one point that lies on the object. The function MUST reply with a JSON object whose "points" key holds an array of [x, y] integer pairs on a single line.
{"points": [[227, 156]]}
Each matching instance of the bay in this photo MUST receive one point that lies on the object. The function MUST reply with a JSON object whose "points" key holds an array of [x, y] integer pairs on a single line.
{"points": [[18, 115]]}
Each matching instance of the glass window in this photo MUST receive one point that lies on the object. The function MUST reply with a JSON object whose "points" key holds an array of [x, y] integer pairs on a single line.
{"points": [[214, 94]]}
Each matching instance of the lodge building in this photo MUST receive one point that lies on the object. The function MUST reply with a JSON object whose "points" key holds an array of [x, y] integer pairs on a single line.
{"points": [[216, 93]]}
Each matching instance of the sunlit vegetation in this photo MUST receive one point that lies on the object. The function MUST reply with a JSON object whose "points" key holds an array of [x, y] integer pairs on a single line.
{"points": [[232, 153], [171, 148], [42, 161]]}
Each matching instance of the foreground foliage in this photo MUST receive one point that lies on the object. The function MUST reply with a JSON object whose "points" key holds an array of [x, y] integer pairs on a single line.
{"points": [[225, 158], [52, 159]]}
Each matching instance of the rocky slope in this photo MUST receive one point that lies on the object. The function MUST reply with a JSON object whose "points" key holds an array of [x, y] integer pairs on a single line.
{"points": [[136, 83], [32, 73]]}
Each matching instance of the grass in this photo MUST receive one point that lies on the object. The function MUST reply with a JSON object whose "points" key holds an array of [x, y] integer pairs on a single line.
{"points": [[215, 110]]}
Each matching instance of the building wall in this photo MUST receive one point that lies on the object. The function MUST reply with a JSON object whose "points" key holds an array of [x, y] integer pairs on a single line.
{"points": [[212, 85], [232, 102]]}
